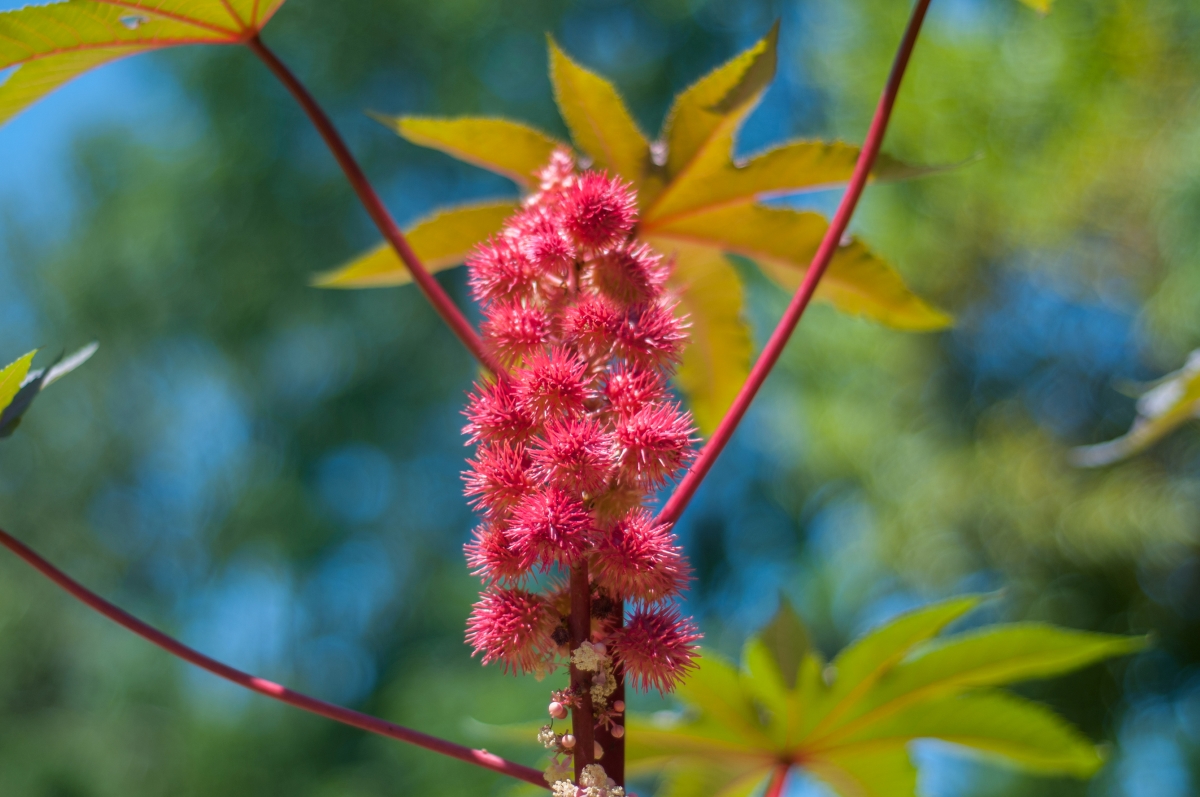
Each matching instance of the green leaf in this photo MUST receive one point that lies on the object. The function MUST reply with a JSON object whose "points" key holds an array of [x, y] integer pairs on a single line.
{"points": [[894, 686], [1172, 402], [32, 383], [1021, 732], [990, 657], [786, 638], [715, 688], [507, 148], [791, 168], [51, 44], [782, 243], [701, 125], [11, 378], [858, 668], [599, 122], [442, 241], [716, 362], [879, 772], [1041, 6], [692, 781]]}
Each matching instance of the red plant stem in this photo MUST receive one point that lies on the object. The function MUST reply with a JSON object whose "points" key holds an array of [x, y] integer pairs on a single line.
{"points": [[614, 747], [366, 722], [441, 302], [778, 781], [791, 318], [580, 627]]}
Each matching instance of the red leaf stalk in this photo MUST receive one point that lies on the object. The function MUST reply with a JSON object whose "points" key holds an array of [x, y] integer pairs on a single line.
{"points": [[791, 318], [778, 781], [441, 302], [366, 722]]}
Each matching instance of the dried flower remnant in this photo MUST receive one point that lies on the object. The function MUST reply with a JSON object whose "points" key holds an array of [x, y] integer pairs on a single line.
{"points": [[573, 440]]}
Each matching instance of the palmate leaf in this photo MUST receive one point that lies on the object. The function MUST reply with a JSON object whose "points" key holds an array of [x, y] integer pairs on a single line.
{"points": [[850, 724], [442, 241], [51, 44], [597, 117], [1170, 403], [19, 386], [697, 205]]}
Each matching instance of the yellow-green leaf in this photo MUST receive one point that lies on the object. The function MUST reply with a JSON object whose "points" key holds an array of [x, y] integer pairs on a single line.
{"points": [[713, 781], [716, 361], [858, 668], [32, 383], [442, 241], [511, 149], [791, 168], [701, 125], [54, 43], [597, 117], [1000, 725], [1172, 402], [1041, 6], [782, 243], [884, 771], [11, 378]]}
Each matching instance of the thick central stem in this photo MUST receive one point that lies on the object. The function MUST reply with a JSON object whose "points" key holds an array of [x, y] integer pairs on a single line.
{"points": [[614, 746], [582, 717]]}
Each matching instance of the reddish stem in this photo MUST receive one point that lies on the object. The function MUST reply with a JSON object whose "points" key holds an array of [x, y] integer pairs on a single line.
{"points": [[580, 627], [441, 302], [366, 722], [787, 325], [614, 748], [778, 781]]}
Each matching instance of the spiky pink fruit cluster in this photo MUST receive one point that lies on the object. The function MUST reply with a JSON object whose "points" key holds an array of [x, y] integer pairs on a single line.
{"points": [[574, 439]]}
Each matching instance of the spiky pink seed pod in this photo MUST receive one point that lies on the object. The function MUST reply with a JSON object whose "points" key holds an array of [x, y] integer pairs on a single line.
{"points": [[513, 627], [650, 335], [554, 384], [592, 325], [655, 443], [491, 557], [640, 560], [499, 271], [540, 235], [494, 414], [513, 330], [575, 454], [657, 647], [549, 527], [629, 389], [499, 478], [598, 210], [631, 274]]}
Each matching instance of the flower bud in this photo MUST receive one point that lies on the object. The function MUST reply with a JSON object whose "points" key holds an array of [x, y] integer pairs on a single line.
{"points": [[559, 712], [617, 731], [568, 741]]}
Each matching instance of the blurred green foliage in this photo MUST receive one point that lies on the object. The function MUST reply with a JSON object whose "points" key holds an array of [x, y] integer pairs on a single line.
{"points": [[271, 471]]}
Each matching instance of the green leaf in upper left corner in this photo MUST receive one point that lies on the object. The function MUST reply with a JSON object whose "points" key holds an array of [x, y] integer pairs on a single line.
{"points": [[52, 44], [11, 378]]}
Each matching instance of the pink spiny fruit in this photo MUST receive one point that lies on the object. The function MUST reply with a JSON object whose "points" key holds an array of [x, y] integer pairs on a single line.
{"points": [[491, 557], [640, 560], [657, 647], [572, 441], [513, 627]]}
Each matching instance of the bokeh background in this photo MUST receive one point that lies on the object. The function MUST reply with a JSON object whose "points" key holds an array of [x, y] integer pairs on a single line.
{"points": [[272, 472]]}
